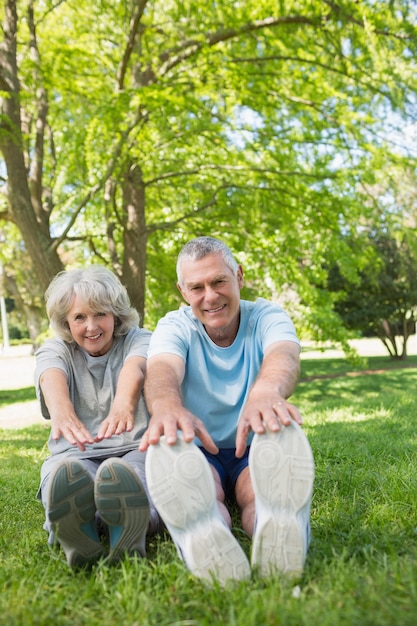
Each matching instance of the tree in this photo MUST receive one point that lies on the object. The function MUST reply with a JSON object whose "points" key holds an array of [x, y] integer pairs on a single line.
{"points": [[383, 300], [127, 127]]}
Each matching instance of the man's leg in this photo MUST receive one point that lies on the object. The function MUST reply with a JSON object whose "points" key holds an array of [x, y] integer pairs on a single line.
{"points": [[245, 499], [220, 497]]}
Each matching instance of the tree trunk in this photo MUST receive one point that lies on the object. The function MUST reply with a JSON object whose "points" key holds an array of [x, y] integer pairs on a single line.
{"points": [[45, 260], [135, 237]]}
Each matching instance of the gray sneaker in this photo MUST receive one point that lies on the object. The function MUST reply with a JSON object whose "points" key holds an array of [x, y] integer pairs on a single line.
{"points": [[122, 505], [71, 512], [182, 488], [281, 466]]}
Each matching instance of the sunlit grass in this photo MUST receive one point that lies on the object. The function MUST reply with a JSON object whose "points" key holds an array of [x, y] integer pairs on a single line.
{"points": [[361, 567]]}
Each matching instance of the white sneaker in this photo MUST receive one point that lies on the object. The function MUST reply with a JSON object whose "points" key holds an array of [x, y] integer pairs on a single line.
{"points": [[281, 466], [182, 488]]}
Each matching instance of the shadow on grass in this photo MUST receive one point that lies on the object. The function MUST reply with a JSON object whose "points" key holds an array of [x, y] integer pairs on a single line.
{"points": [[10, 396], [366, 391], [311, 368]]}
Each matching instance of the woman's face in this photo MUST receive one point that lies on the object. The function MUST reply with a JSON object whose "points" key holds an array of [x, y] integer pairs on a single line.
{"points": [[91, 330]]}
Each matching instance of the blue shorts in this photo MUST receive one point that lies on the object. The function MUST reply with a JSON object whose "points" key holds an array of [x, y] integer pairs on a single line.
{"points": [[228, 467]]}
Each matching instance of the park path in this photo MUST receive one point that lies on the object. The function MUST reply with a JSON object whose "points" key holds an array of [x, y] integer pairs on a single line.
{"points": [[17, 366]]}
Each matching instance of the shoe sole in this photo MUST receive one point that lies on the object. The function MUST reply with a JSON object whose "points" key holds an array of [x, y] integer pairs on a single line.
{"points": [[71, 511], [122, 505], [281, 466], [182, 488]]}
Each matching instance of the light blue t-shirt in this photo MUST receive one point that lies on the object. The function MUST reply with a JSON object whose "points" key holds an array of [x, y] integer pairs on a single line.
{"points": [[218, 379]]}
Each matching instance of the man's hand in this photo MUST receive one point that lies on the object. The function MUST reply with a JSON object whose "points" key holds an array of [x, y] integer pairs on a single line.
{"points": [[270, 412], [163, 397], [169, 421], [266, 406]]}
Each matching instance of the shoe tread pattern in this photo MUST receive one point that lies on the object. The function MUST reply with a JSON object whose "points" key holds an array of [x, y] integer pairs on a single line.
{"points": [[282, 472], [123, 505], [182, 488], [71, 511]]}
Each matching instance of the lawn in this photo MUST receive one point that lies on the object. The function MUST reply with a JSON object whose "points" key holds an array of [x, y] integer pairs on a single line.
{"points": [[361, 568], [8, 396]]}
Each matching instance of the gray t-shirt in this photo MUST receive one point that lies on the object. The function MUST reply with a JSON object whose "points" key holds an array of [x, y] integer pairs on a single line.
{"points": [[92, 385]]}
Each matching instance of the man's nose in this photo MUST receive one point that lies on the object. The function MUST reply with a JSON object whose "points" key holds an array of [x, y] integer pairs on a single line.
{"points": [[210, 293]]}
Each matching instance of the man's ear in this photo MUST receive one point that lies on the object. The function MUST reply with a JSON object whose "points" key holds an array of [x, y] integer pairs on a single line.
{"points": [[182, 292], [240, 278]]}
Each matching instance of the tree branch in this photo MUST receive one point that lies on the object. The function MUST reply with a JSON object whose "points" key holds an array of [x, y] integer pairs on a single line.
{"points": [[232, 168], [6, 216], [130, 43], [171, 58], [102, 181], [350, 18], [42, 112], [168, 225]]}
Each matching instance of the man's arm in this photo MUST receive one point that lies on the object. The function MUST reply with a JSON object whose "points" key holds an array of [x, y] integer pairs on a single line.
{"points": [[267, 401], [163, 396]]}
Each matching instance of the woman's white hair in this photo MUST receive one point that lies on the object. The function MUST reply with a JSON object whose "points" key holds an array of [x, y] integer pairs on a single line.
{"points": [[99, 288]]}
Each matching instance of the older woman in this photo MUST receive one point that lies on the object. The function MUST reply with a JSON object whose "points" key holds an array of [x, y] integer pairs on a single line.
{"points": [[89, 382]]}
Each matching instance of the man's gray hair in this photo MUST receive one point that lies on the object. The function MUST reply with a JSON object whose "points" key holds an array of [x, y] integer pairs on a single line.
{"points": [[201, 247]]}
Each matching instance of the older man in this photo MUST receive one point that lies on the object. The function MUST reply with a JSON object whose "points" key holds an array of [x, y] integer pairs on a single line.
{"points": [[220, 371]]}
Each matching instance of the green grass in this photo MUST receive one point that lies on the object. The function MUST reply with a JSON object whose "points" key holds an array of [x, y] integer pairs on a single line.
{"points": [[333, 367], [9, 396], [361, 567]]}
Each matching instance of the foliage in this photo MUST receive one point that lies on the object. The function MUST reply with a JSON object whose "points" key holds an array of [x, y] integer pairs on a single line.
{"points": [[361, 567], [383, 299], [146, 123]]}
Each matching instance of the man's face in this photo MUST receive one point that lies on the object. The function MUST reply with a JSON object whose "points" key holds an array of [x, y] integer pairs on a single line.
{"points": [[213, 292]]}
